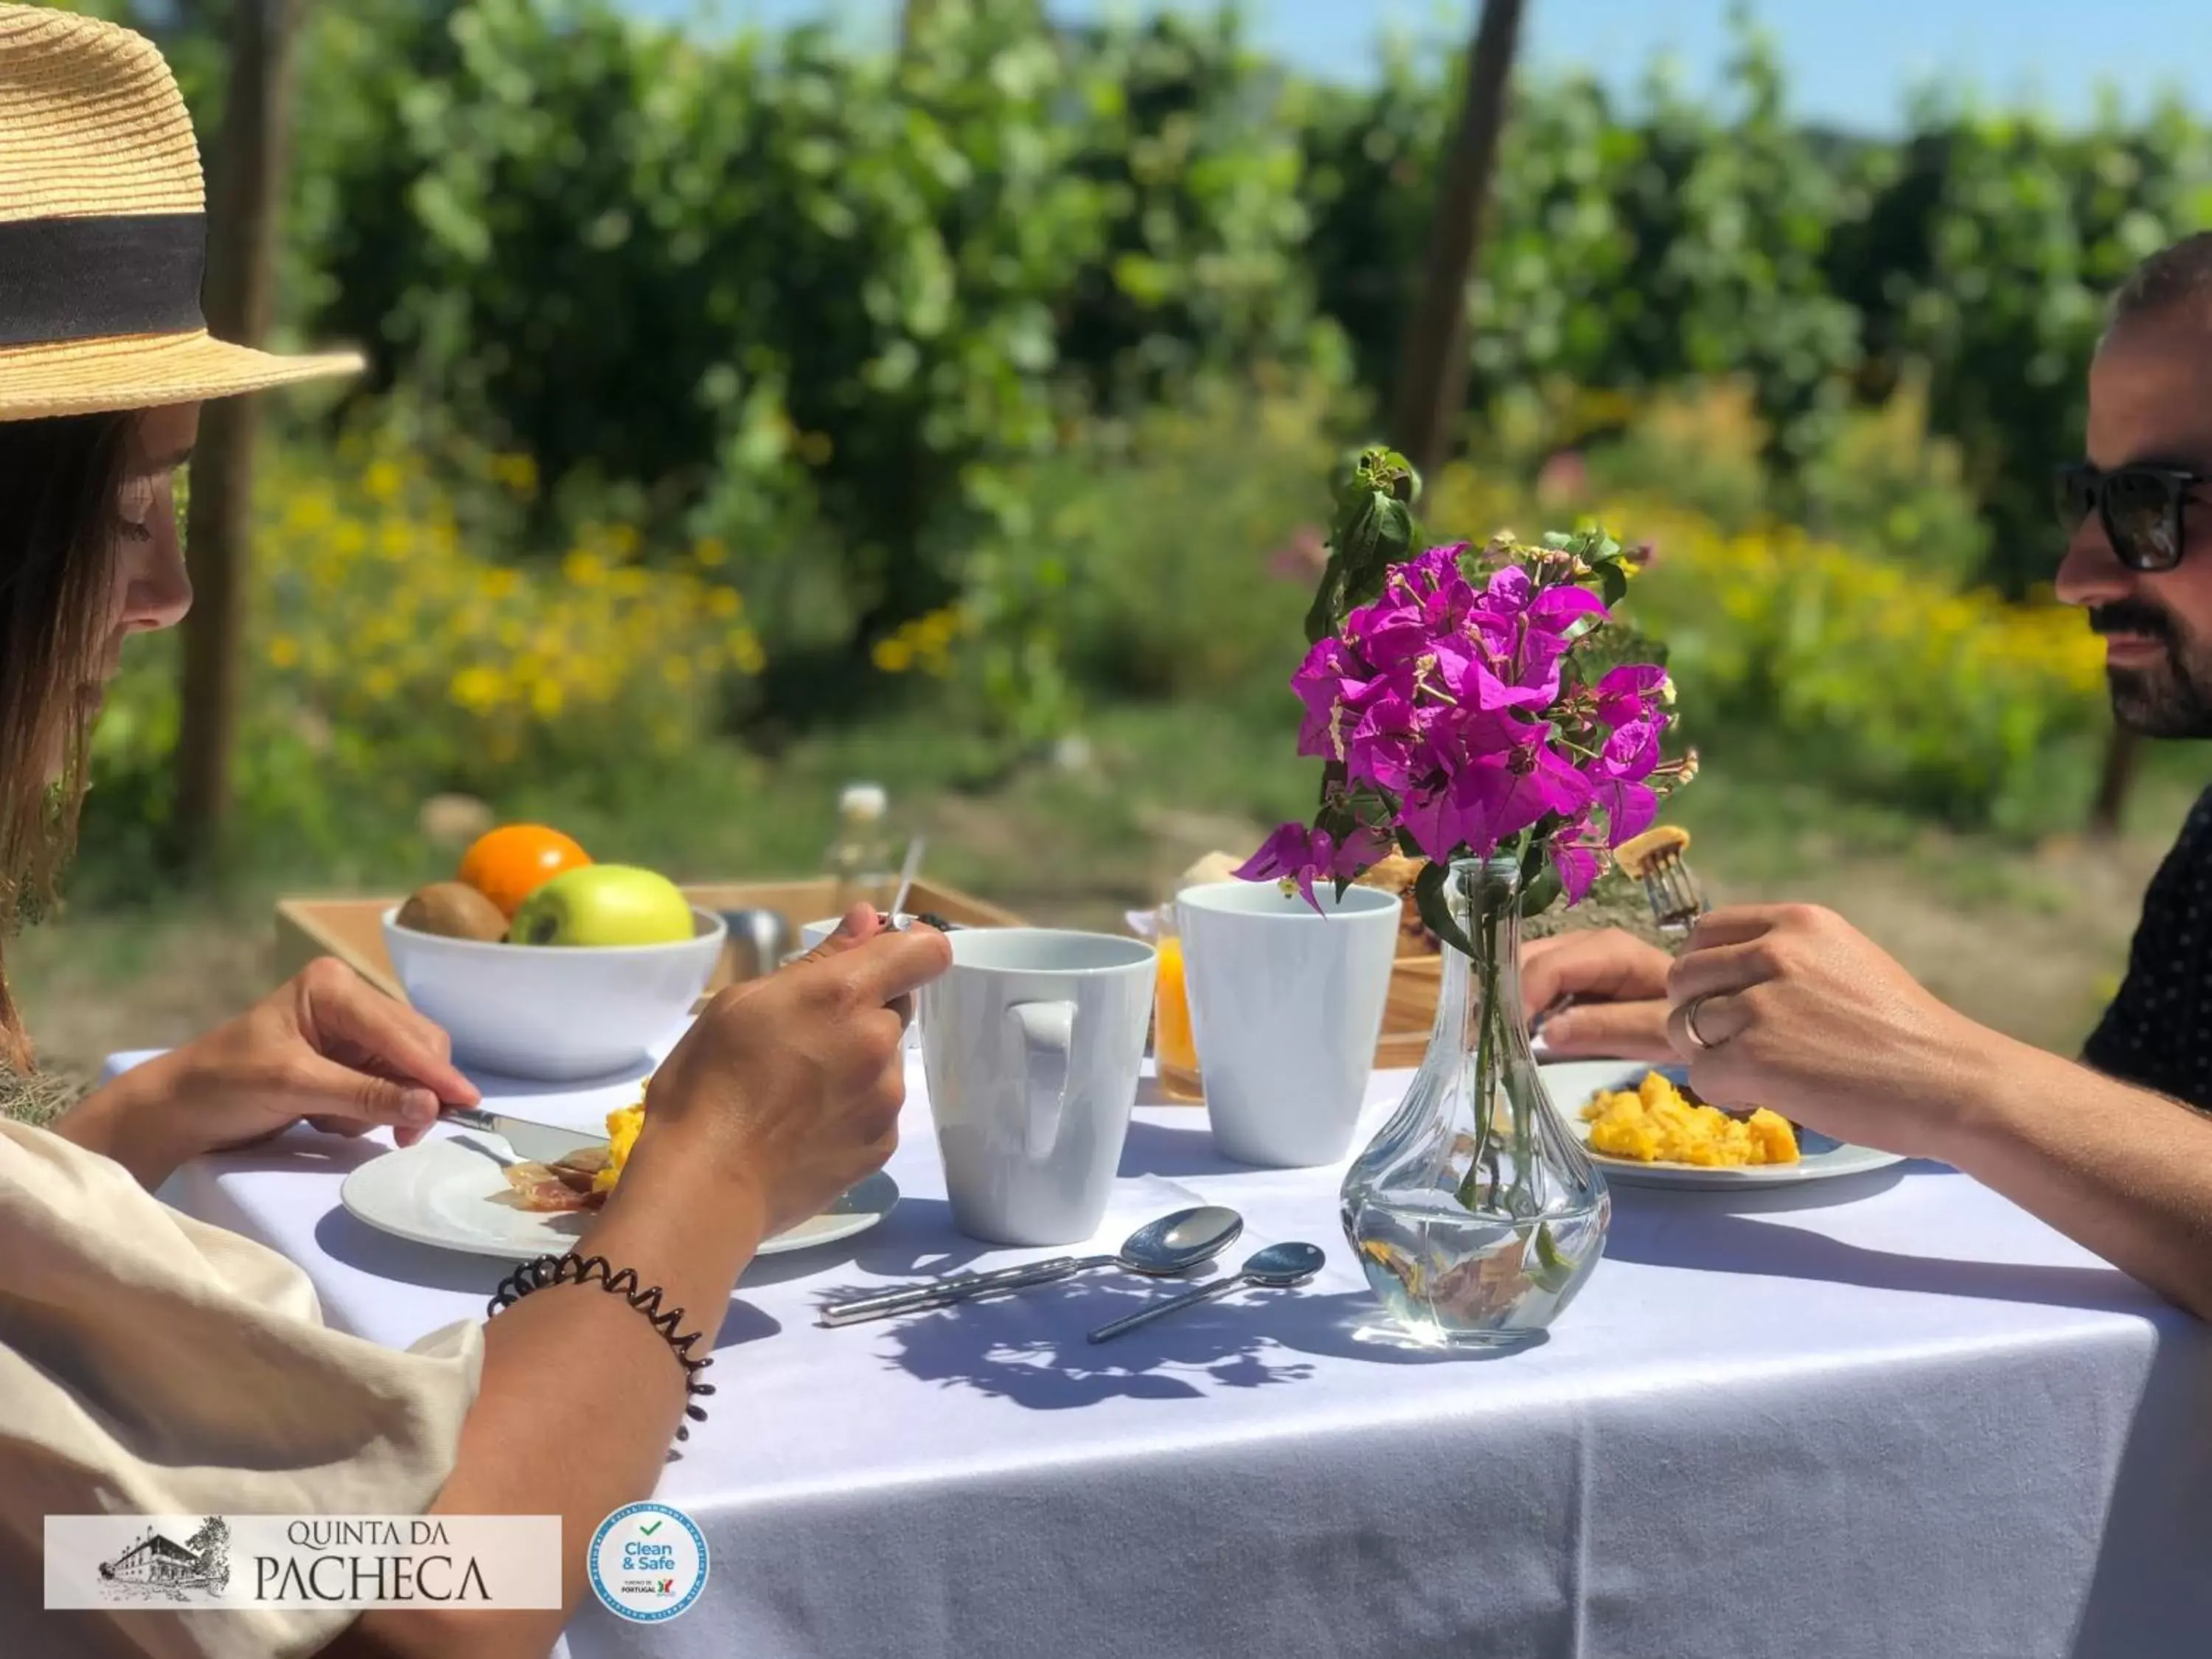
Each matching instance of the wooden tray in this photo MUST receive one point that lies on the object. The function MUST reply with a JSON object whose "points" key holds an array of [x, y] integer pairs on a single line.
{"points": [[351, 929], [1416, 982]]}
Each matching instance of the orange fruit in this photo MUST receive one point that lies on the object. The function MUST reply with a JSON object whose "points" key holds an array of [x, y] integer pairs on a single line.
{"points": [[508, 864]]}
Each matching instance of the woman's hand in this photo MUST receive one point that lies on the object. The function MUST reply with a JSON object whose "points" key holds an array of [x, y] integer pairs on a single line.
{"points": [[1618, 984], [1789, 1007], [792, 1084], [327, 1046]]}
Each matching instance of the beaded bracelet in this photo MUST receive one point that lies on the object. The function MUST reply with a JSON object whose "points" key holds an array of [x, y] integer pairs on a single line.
{"points": [[574, 1269]]}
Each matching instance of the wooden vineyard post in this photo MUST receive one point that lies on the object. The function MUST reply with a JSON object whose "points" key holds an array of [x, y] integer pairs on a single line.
{"points": [[1432, 361], [246, 186]]}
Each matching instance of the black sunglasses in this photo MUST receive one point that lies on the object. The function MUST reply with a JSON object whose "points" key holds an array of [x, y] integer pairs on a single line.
{"points": [[2141, 508]]}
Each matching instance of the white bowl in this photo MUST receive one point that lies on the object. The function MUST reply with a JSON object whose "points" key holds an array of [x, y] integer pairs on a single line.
{"points": [[554, 1012]]}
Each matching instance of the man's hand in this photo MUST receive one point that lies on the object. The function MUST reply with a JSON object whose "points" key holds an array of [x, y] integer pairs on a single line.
{"points": [[1789, 1007], [1618, 984], [326, 1046]]}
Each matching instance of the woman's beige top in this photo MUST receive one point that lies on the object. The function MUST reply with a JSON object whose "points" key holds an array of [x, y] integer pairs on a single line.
{"points": [[150, 1363]]}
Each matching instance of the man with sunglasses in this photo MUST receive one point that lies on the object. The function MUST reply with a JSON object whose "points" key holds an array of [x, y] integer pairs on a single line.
{"points": [[1792, 1007]]}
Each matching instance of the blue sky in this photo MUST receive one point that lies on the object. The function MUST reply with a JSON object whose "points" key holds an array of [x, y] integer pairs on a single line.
{"points": [[1850, 61]]}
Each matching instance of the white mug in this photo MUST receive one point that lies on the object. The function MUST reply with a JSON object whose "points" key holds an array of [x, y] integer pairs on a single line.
{"points": [[1032, 1042], [1286, 1007]]}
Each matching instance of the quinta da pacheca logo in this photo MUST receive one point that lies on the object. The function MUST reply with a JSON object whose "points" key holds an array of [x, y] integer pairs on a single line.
{"points": [[355, 1561]]}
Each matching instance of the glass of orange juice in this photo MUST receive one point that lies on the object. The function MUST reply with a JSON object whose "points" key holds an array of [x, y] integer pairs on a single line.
{"points": [[1174, 1050]]}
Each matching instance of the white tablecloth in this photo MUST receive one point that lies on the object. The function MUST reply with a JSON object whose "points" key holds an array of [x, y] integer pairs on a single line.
{"points": [[1894, 1416]]}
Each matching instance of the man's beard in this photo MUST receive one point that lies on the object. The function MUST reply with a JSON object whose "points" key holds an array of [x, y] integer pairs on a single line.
{"points": [[2172, 699]]}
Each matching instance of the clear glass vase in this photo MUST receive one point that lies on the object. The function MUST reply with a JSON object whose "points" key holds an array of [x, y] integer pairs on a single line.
{"points": [[1474, 1212]]}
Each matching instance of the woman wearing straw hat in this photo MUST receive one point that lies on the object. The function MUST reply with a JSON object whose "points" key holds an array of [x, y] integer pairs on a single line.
{"points": [[152, 1365]]}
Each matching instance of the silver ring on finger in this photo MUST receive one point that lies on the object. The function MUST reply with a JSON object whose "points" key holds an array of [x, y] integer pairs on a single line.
{"points": [[1698, 1038]]}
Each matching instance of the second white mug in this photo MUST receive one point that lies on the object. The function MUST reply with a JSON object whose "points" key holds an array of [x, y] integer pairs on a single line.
{"points": [[1286, 1006]]}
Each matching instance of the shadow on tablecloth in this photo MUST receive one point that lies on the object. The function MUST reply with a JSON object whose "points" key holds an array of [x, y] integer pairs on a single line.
{"points": [[1666, 1229], [347, 1239], [1160, 1149], [916, 1240], [2139, 1606], [1033, 1350]]}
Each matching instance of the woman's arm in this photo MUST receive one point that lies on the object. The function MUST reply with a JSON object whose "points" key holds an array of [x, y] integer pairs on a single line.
{"points": [[580, 1399], [781, 1098]]}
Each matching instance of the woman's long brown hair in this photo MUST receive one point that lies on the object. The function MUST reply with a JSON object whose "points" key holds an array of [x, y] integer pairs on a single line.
{"points": [[60, 493]]}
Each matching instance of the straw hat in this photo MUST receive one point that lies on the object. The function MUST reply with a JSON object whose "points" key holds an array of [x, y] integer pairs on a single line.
{"points": [[103, 231]]}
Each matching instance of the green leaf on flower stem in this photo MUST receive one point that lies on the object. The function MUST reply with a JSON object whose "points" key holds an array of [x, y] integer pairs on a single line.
{"points": [[1552, 1270], [1614, 584], [1541, 890], [1336, 820], [1320, 614], [1371, 529], [1436, 909]]}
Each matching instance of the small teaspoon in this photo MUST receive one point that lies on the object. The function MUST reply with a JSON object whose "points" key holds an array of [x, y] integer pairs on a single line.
{"points": [[1279, 1266]]}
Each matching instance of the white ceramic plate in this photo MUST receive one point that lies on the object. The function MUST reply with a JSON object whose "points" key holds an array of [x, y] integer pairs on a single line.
{"points": [[1572, 1082], [445, 1193]]}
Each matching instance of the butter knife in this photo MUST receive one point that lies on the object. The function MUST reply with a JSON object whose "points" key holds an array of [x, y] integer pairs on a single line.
{"points": [[944, 1292], [541, 1143]]}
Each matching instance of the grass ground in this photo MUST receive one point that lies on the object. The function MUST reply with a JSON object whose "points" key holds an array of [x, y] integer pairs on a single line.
{"points": [[2028, 940]]}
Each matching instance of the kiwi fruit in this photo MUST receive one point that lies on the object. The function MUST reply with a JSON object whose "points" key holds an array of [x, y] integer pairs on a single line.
{"points": [[453, 909]]}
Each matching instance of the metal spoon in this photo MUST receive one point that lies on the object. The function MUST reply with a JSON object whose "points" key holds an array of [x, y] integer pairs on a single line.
{"points": [[907, 873], [1279, 1266], [1173, 1244]]}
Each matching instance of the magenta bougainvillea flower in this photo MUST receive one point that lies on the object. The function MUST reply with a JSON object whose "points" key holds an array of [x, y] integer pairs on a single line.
{"points": [[1297, 854], [1457, 721]]}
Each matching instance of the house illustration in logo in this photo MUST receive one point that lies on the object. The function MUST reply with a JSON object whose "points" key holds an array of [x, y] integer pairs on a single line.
{"points": [[158, 1563]]}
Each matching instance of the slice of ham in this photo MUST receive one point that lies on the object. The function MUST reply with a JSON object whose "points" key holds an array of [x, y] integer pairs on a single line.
{"points": [[579, 1169], [553, 1188]]}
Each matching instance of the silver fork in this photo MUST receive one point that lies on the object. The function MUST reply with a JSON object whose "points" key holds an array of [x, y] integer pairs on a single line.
{"points": [[1673, 892], [1655, 858]]}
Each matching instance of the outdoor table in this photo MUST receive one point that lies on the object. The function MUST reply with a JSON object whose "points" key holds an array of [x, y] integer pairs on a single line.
{"points": [[1890, 1415]]}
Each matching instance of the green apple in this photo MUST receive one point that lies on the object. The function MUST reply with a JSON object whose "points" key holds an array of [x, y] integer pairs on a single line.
{"points": [[604, 904]]}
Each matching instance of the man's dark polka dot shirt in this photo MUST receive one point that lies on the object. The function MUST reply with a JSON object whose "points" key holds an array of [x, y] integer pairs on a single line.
{"points": [[2158, 1032]]}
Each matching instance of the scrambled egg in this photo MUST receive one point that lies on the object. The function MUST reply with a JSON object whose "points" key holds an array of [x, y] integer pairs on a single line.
{"points": [[1654, 1124], [623, 1125]]}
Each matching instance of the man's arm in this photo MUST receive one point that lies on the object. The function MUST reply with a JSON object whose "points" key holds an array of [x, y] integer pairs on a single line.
{"points": [[2123, 1171], [1792, 1008]]}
